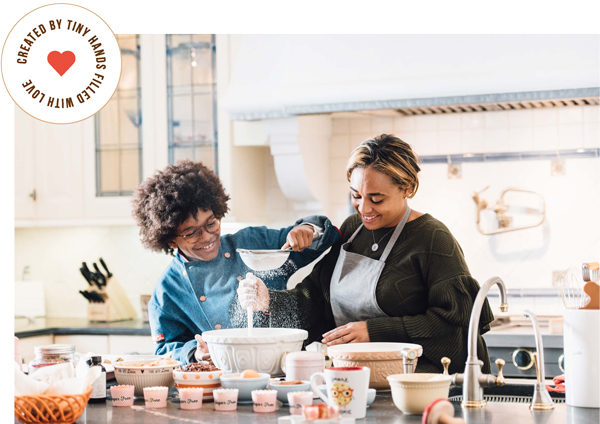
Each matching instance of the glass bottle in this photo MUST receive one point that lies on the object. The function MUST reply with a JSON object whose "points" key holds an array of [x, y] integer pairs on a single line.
{"points": [[52, 355], [99, 385]]}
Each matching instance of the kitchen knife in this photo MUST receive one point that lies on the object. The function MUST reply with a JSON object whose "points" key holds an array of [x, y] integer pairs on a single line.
{"points": [[101, 278], [108, 273], [92, 277], [85, 294], [97, 296], [82, 270]]}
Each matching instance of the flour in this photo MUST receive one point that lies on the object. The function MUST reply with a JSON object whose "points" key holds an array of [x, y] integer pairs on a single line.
{"points": [[264, 261]]}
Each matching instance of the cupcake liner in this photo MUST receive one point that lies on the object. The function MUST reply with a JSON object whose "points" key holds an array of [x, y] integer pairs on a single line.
{"points": [[122, 395], [299, 399], [264, 400], [225, 399], [191, 398], [156, 397]]}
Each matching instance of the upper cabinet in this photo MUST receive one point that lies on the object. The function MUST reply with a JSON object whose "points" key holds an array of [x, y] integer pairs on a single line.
{"points": [[164, 110]]}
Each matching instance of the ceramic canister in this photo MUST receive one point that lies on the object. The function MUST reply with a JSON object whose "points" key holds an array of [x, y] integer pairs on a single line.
{"points": [[302, 365]]}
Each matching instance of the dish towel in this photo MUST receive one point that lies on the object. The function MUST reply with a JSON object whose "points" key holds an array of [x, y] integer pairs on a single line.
{"points": [[559, 384]]}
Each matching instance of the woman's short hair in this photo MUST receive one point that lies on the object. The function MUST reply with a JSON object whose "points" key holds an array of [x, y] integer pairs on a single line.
{"points": [[388, 154], [167, 199]]}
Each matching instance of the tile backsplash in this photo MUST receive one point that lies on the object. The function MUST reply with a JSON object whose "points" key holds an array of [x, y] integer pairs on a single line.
{"points": [[570, 233]]}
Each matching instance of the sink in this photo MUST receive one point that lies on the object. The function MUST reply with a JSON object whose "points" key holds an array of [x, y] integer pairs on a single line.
{"points": [[518, 393]]}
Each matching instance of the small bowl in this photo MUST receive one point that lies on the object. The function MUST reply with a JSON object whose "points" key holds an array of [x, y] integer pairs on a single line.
{"points": [[141, 374], [190, 398], [207, 380], [283, 390], [370, 394], [245, 385], [413, 392], [122, 395], [264, 401]]}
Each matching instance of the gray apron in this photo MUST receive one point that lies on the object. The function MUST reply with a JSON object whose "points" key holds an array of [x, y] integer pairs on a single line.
{"points": [[354, 281]]}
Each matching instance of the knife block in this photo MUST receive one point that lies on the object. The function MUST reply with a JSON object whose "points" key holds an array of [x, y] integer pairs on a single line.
{"points": [[116, 306]]}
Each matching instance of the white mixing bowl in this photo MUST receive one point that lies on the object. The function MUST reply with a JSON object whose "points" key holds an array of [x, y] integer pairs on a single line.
{"points": [[233, 351]]}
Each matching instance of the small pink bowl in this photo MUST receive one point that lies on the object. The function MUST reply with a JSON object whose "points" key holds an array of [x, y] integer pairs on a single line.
{"points": [[156, 397], [297, 400], [264, 400], [226, 399], [191, 398], [122, 395]]}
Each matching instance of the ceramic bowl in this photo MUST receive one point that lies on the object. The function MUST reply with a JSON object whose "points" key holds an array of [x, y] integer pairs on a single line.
{"points": [[382, 358], [141, 374], [371, 394], [208, 380], [283, 390], [233, 351], [413, 392], [245, 385]]}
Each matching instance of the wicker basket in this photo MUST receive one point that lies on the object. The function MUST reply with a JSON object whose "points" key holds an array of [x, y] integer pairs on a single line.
{"points": [[56, 409]]}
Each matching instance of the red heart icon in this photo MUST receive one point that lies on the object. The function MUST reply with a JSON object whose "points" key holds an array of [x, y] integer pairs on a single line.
{"points": [[61, 62]]}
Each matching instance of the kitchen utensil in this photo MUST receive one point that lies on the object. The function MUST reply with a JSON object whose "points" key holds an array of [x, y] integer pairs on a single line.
{"points": [[413, 392], [85, 275], [141, 374], [108, 273], [590, 271], [571, 289], [85, 294], [592, 290], [91, 276], [96, 296], [264, 260], [99, 275], [440, 411], [207, 380], [245, 386]]}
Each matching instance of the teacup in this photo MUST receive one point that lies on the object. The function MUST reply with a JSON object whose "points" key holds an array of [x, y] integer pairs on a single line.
{"points": [[347, 387]]}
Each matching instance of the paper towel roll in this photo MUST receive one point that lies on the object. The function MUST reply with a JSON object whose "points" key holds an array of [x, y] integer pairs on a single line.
{"points": [[582, 350]]}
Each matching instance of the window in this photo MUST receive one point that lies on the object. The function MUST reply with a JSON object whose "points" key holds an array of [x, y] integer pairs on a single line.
{"points": [[118, 128], [192, 98]]}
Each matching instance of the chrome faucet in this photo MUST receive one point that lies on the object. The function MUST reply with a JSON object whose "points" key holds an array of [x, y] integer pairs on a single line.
{"points": [[409, 357], [541, 398], [472, 379]]}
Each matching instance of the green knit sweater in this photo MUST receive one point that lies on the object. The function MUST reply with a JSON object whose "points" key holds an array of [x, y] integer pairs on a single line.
{"points": [[425, 289]]}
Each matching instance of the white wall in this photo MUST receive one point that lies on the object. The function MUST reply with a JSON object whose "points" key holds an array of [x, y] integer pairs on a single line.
{"points": [[571, 233]]}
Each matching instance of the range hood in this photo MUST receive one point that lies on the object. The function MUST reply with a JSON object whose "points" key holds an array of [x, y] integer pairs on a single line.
{"points": [[279, 76]]}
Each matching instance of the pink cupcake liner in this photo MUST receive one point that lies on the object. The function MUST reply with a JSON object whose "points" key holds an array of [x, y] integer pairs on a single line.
{"points": [[191, 398], [299, 399], [264, 400], [156, 397], [122, 395], [226, 399]]}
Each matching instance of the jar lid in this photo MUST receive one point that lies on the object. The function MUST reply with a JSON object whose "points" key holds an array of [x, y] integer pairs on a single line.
{"points": [[305, 357], [55, 349]]}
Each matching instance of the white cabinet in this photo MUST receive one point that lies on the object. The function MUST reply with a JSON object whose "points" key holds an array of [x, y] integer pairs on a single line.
{"points": [[26, 344], [48, 167], [84, 343], [124, 345]]}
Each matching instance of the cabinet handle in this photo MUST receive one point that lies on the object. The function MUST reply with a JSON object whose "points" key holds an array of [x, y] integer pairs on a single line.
{"points": [[33, 195]]}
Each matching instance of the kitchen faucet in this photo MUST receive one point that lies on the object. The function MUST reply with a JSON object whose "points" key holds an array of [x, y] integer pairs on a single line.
{"points": [[541, 398], [472, 379]]}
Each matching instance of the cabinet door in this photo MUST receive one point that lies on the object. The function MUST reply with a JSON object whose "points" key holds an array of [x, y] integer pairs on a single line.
{"points": [[27, 344], [24, 166], [84, 343], [58, 167], [125, 345]]}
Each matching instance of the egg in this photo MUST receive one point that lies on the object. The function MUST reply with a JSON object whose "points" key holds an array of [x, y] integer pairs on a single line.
{"points": [[249, 374]]}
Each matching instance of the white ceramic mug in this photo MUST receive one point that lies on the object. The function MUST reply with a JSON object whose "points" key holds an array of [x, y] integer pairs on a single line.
{"points": [[347, 387]]}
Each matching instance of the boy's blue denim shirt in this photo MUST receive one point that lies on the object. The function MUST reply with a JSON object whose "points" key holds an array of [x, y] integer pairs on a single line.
{"points": [[193, 297]]}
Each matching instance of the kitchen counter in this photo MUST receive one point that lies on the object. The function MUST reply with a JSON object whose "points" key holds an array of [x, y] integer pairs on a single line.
{"points": [[64, 326], [381, 411]]}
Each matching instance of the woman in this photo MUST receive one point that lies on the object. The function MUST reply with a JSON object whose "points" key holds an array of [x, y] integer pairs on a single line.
{"points": [[179, 212], [397, 275]]}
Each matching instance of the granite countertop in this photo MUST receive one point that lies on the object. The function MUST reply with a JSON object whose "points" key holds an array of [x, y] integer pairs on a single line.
{"points": [[382, 410], [63, 326]]}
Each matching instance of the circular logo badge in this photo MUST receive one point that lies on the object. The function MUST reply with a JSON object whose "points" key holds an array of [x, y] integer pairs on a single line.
{"points": [[61, 63]]}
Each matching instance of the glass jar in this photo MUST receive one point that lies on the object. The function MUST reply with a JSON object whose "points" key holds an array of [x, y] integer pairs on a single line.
{"points": [[52, 355]]}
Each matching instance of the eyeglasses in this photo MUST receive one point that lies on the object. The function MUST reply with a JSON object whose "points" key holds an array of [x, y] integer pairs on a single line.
{"points": [[195, 234]]}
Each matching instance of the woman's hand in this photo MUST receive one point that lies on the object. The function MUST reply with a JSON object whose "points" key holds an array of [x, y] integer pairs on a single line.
{"points": [[299, 238], [353, 332], [253, 292], [201, 353]]}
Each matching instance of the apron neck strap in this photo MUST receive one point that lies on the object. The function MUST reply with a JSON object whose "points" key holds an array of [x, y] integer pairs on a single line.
{"points": [[395, 235]]}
